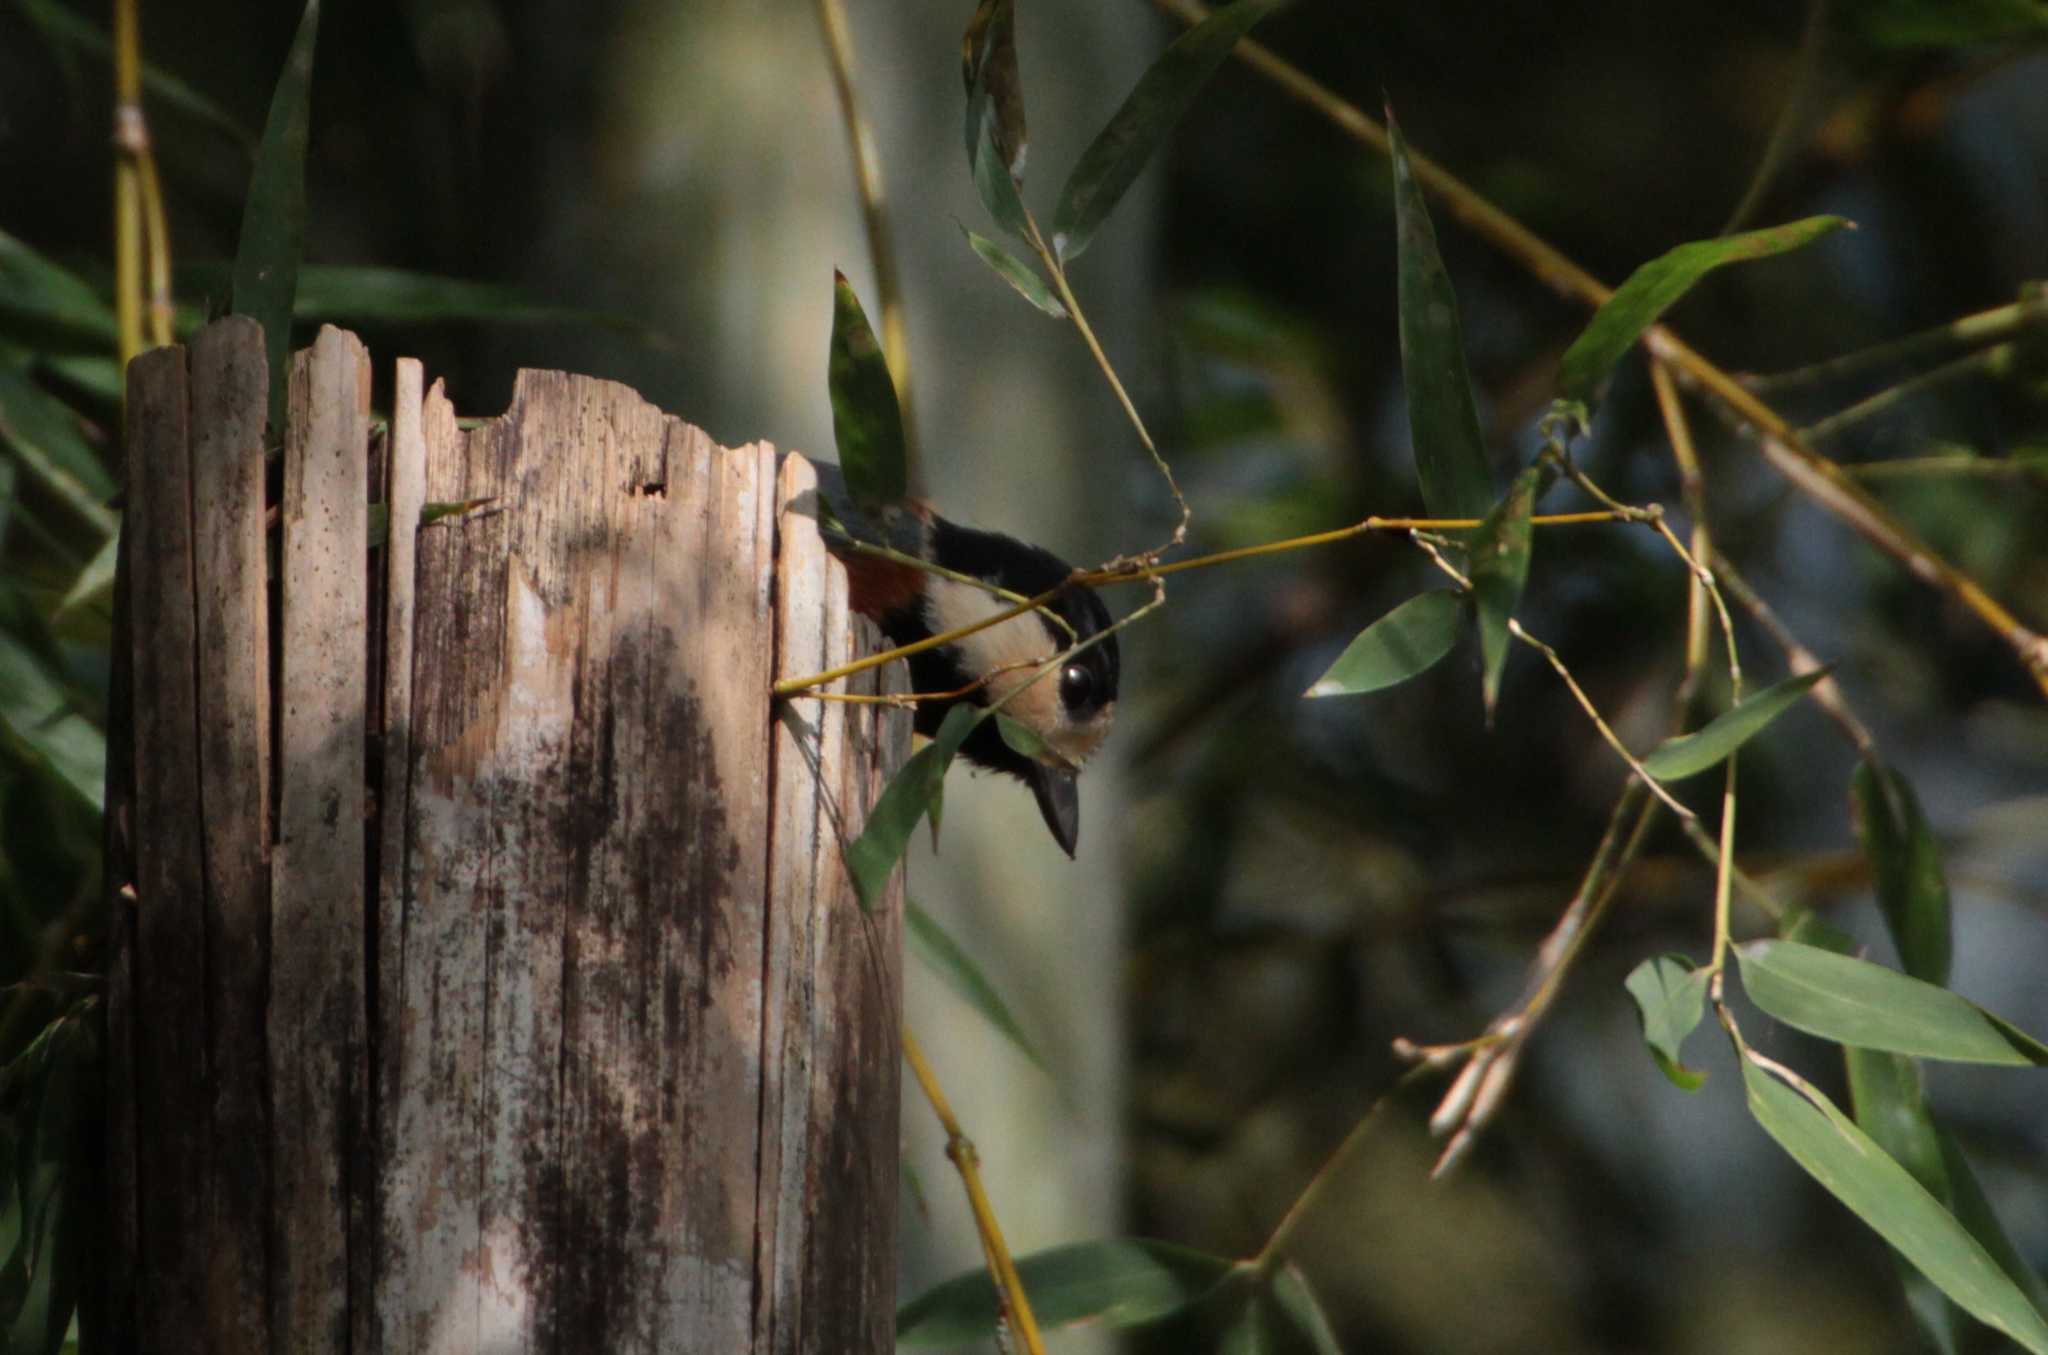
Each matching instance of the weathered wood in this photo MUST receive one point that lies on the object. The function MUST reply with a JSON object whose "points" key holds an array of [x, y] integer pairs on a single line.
{"points": [[834, 979], [316, 1018], [229, 385], [589, 1057], [171, 1056]]}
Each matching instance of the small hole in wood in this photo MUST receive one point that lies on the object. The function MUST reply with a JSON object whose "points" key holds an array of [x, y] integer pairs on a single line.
{"points": [[653, 489]]}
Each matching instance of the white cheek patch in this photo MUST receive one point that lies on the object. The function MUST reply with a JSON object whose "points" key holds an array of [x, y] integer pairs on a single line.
{"points": [[1013, 651]]}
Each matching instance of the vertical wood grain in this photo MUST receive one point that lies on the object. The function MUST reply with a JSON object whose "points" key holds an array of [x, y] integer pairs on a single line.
{"points": [[316, 1019]]}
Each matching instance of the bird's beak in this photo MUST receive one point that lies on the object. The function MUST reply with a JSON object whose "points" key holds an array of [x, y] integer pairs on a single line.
{"points": [[1059, 799]]}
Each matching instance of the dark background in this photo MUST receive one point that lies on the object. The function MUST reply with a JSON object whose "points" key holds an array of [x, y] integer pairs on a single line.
{"points": [[1271, 890]]}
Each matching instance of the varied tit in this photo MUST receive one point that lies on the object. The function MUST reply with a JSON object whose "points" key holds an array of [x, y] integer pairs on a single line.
{"points": [[1070, 709]]}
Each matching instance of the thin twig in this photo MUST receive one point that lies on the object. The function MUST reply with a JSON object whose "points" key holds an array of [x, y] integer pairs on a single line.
{"points": [[960, 1150], [1990, 326], [130, 139], [1791, 114], [1982, 362], [1827, 693]]}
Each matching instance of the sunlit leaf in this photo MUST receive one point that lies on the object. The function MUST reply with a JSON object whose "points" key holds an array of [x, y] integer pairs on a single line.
{"points": [[1114, 1283], [874, 854], [867, 423], [941, 954], [42, 302], [1162, 95], [1844, 1160], [1500, 566], [1656, 286], [1450, 456], [1690, 754], [1855, 1002], [273, 237], [1671, 996], [1017, 273], [1406, 641], [995, 112], [1905, 863]]}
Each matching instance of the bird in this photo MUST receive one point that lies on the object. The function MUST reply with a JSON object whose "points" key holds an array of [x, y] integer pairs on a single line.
{"points": [[1070, 710]]}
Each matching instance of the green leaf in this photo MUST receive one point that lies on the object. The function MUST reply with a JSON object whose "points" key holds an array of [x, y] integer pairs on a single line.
{"points": [[1947, 23], [1406, 641], [910, 793], [1855, 1002], [1114, 1282], [353, 294], [49, 305], [1302, 1312], [1671, 996], [1017, 273], [1829, 1146], [1690, 754], [1022, 738], [1450, 456], [1905, 863], [1251, 1331], [39, 715], [956, 969], [96, 579], [995, 112], [867, 423], [1162, 95], [274, 214], [46, 438], [1500, 566], [1656, 286]]}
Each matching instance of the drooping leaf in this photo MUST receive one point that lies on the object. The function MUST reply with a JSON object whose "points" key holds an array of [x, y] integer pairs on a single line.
{"points": [[1298, 1305], [42, 719], [995, 112], [1671, 996], [867, 423], [1253, 1330], [1891, 1106], [1844, 1160], [1905, 862], [1855, 1002], [1500, 566], [273, 238], [45, 436], [1021, 738], [1656, 286], [955, 968], [1020, 275], [47, 304], [96, 579], [910, 793], [1690, 754], [1450, 456], [1408, 640], [1162, 95], [1115, 1283]]}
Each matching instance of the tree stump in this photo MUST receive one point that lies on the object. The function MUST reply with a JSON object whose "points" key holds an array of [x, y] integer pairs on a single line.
{"points": [[486, 975]]}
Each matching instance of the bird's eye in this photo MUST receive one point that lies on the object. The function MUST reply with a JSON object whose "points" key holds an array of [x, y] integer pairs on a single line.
{"points": [[1077, 687]]}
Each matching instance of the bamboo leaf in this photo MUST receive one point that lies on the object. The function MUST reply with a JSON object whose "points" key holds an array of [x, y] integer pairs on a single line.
{"points": [[1163, 94], [1114, 1283], [1450, 456], [1020, 275], [1657, 286], [1905, 862], [1298, 1304], [1855, 1002], [903, 802], [1408, 640], [995, 134], [47, 304], [1690, 754], [42, 718], [273, 235], [955, 968], [1671, 996], [1500, 566], [867, 423], [1829, 1146]]}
